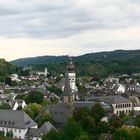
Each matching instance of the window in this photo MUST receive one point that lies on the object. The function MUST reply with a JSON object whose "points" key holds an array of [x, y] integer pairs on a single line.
{"points": [[19, 131]]}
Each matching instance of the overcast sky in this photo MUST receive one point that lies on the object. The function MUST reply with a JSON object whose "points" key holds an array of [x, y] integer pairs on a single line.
{"points": [[67, 27]]}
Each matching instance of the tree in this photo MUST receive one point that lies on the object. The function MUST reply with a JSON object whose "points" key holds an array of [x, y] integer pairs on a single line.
{"points": [[8, 81], [52, 135], [5, 106], [54, 89], [9, 134], [137, 120], [45, 116], [102, 127], [88, 124], [80, 114], [2, 134], [72, 130], [97, 112], [126, 133], [34, 97], [32, 110], [115, 122]]}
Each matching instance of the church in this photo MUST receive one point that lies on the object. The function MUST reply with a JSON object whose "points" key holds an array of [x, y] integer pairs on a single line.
{"points": [[69, 99]]}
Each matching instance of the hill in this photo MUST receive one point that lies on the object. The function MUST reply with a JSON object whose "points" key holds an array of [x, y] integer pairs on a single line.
{"points": [[108, 55], [6, 68], [94, 64]]}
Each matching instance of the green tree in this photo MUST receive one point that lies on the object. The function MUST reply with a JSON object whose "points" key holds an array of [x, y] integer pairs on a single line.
{"points": [[34, 97], [45, 116], [8, 81], [52, 135], [97, 112], [80, 114], [102, 127], [137, 120], [2, 134], [54, 89], [9, 134], [72, 130], [5, 106], [32, 110], [115, 122]]}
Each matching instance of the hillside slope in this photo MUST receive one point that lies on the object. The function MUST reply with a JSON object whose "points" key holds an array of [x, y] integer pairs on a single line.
{"points": [[112, 55], [6, 68]]}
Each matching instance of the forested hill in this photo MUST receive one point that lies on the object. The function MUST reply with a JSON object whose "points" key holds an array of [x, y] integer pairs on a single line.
{"points": [[94, 64], [6, 68], [112, 55]]}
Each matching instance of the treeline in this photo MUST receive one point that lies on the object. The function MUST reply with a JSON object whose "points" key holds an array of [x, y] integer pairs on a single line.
{"points": [[100, 69]]}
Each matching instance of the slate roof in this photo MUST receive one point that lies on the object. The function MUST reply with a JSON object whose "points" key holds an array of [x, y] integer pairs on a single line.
{"points": [[130, 122], [44, 129], [15, 119], [79, 104], [60, 112], [112, 99]]}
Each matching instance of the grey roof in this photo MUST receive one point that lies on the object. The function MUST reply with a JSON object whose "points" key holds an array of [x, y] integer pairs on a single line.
{"points": [[130, 122], [15, 119], [44, 129], [79, 104], [112, 99], [60, 112]]}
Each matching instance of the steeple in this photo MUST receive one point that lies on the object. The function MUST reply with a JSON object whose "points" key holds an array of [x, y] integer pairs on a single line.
{"points": [[67, 93], [67, 87]]}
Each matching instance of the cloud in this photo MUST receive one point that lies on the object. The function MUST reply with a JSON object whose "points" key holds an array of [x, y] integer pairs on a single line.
{"points": [[60, 18], [70, 27]]}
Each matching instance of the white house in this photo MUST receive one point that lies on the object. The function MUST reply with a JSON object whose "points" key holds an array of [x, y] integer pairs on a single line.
{"points": [[15, 104], [17, 122], [118, 103]]}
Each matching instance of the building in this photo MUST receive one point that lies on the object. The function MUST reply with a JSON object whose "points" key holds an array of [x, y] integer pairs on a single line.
{"points": [[36, 134], [118, 103], [46, 71], [16, 122], [72, 75], [17, 104], [68, 95]]}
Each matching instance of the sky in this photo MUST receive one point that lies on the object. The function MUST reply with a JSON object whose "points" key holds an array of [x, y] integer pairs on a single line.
{"points": [[67, 27]]}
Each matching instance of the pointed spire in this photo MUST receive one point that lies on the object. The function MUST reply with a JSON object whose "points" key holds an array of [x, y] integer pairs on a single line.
{"points": [[67, 88]]}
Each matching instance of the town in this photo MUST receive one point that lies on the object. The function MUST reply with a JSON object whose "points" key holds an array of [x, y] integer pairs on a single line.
{"points": [[40, 105]]}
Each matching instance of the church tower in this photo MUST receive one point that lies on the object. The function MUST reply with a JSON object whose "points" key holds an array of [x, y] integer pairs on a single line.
{"points": [[67, 93], [72, 75]]}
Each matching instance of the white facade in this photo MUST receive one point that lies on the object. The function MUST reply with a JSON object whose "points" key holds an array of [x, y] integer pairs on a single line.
{"points": [[17, 132], [72, 79], [46, 71], [122, 108], [37, 138], [121, 89], [16, 105]]}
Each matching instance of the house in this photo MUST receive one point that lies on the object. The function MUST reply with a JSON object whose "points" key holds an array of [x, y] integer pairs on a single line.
{"points": [[14, 77], [17, 104], [36, 134], [17, 122], [118, 103]]}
